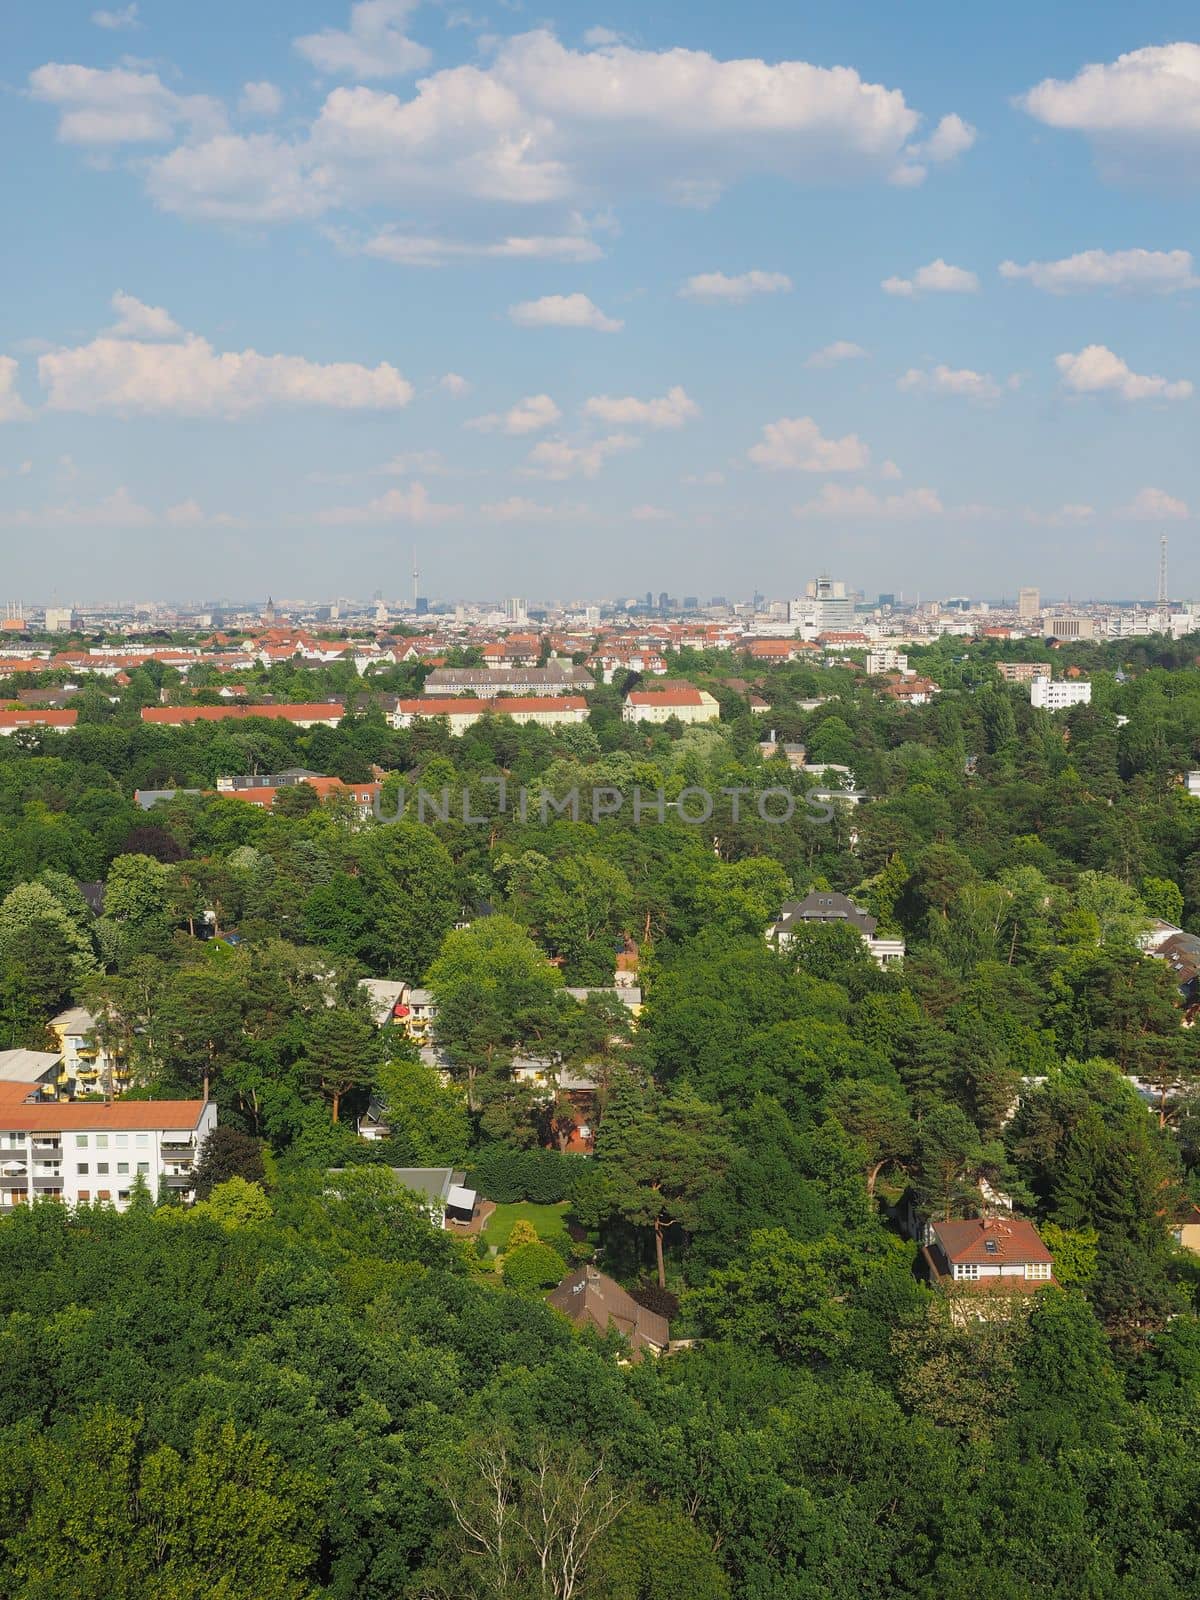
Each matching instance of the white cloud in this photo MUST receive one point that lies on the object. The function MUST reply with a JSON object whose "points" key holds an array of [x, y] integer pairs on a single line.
{"points": [[938, 277], [557, 459], [948, 380], [952, 137], [602, 36], [1152, 271], [397, 505], [260, 100], [840, 350], [139, 321], [117, 20], [1155, 505], [429, 462], [1065, 516], [562, 311], [1097, 370], [538, 123], [718, 286], [374, 46], [531, 415], [121, 106], [117, 510], [889, 470], [412, 250], [796, 444], [649, 513], [708, 480], [454, 384], [1137, 110], [187, 377], [12, 407], [670, 410], [518, 509], [836, 500]]}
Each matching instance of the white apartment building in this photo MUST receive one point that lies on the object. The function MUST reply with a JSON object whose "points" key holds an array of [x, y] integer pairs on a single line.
{"points": [[679, 700], [1192, 783], [461, 712], [78, 1153], [1052, 696], [881, 660]]}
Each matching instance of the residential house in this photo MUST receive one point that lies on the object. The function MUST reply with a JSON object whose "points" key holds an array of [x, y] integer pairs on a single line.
{"points": [[991, 1254], [441, 1191], [35, 717], [322, 714], [1023, 671], [262, 789], [1192, 783], [385, 999], [826, 907], [588, 1298], [556, 677], [462, 712], [681, 700], [38, 1070], [79, 1152]]}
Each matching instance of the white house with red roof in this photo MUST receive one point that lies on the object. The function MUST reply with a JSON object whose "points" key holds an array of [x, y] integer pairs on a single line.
{"points": [[990, 1254], [679, 700]]}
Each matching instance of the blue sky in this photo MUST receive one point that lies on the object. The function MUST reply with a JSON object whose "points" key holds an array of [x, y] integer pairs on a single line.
{"points": [[588, 302]]}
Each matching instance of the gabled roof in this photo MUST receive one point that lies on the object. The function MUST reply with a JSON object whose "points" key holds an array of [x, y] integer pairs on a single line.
{"points": [[674, 695], [996, 1241], [588, 1297]]}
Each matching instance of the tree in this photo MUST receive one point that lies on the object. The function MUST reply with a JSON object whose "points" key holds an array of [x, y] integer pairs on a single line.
{"points": [[494, 991], [782, 1296], [427, 1120], [947, 1161], [341, 1054], [234, 1204], [659, 1154], [227, 1153], [877, 1114], [409, 894], [533, 1266]]}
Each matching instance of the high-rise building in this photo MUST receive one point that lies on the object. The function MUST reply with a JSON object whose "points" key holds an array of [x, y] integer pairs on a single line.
{"points": [[516, 610], [1029, 604], [825, 607]]}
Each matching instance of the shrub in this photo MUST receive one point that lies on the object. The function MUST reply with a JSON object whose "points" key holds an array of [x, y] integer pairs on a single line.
{"points": [[542, 1176], [532, 1266]]}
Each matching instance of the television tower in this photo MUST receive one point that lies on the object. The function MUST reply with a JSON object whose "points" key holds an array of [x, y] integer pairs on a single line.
{"points": [[1164, 610], [416, 578]]}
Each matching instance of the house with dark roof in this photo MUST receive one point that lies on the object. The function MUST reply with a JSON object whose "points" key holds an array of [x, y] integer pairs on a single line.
{"points": [[989, 1254], [589, 1299], [823, 906]]}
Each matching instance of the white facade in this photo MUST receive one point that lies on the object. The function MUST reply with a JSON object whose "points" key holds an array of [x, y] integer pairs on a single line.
{"points": [[1193, 783], [883, 660], [1051, 696], [59, 621], [78, 1154], [654, 705]]}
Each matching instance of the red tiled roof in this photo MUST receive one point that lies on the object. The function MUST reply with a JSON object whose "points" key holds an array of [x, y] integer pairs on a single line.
{"points": [[172, 715], [78, 1117], [968, 1240], [32, 717], [684, 695]]}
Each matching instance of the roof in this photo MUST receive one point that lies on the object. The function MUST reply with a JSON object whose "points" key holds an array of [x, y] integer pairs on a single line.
{"points": [[26, 1066], [588, 1297], [38, 717], [823, 906], [676, 695], [123, 1116], [990, 1240], [76, 1019], [310, 712]]}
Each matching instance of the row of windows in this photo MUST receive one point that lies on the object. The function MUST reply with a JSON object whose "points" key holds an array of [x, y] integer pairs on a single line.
{"points": [[970, 1270], [81, 1169], [120, 1141]]}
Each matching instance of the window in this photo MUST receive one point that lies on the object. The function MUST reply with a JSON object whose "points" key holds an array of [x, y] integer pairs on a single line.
{"points": [[122, 1194], [81, 1168], [122, 1141], [122, 1168], [143, 1141], [967, 1269], [1037, 1269], [101, 1141], [84, 1195], [102, 1169], [81, 1141], [143, 1167]]}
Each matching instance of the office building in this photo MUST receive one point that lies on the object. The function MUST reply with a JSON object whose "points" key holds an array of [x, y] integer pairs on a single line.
{"points": [[1029, 604], [1050, 696]]}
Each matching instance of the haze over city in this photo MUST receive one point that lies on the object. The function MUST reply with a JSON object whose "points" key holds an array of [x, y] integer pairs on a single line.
{"points": [[594, 302]]}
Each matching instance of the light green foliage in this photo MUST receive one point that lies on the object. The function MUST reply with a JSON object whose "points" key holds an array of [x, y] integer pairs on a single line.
{"points": [[234, 1204], [532, 1266]]}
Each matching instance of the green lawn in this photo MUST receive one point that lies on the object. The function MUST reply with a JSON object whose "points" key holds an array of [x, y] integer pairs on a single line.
{"points": [[550, 1222]]}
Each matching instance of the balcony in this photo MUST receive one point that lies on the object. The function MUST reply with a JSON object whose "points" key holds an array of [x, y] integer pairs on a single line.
{"points": [[178, 1180], [46, 1147], [174, 1150]]}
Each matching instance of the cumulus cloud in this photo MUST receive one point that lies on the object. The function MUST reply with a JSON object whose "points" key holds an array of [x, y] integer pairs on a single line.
{"points": [[1138, 110], [1150, 271], [121, 105], [413, 250], [539, 123], [116, 20], [1155, 505], [557, 459], [139, 321], [1064, 516], [187, 377], [837, 500], [375, 44], [12, 407], [1097, 370], [563, 311], [718, 286], [411, 504], [531, 415], [948, 380], [260, 100], [889, 470], [831, 354], [951, 138], [938, 277], [796, 444], [708, 480], [670, 410], [118, 510], [649, 513], [453, 383], [518, 509]]}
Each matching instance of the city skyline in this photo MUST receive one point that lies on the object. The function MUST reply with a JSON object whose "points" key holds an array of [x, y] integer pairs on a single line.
{"points": [[583, 301]]}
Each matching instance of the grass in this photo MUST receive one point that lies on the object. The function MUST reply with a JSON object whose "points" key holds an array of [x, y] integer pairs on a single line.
{"points": [[550, 1222]]}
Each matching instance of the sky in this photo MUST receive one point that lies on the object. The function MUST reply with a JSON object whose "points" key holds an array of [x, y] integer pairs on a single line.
{"points": [[597, 300]]}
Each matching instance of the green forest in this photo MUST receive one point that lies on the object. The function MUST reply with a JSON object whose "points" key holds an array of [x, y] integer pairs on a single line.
{"points": [[300, 1388]]}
